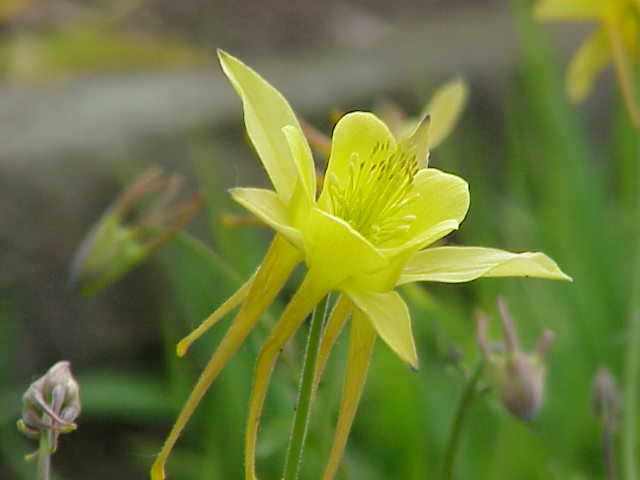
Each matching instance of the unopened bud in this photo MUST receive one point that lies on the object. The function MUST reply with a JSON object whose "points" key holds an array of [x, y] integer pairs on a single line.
{"points": [[51, 404], [522, 385], [116, 244], [519, 377], [606, 401]]}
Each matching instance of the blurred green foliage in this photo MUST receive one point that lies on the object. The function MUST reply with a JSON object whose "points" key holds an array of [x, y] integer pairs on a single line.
{"points": [[537, 182]]}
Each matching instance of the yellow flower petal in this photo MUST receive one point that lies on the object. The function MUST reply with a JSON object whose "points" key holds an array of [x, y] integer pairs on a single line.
{"points": [[361, 343], [442, 196], [390, 317], [308, 295], [356, 133], [462, 264], [268, 207], [420, 139], [568, 9], [269, 279], [266, 112], [304, 159], [335, 251], [232, 302], [445, 108], [441, 203], [592, 56]]}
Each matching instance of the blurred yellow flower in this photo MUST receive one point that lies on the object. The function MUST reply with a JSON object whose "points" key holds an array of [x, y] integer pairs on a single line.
{"points": [[365, 233], [444, 108], [614, 39]]}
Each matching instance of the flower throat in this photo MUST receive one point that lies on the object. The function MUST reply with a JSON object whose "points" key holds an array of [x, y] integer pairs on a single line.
{"points": [[376, 193]]}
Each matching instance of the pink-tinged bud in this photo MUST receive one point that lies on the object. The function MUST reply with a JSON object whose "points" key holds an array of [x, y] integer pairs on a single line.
{"points": [[606, 399], [519, 377], [139, 222], [522, 385], [51, 404]]}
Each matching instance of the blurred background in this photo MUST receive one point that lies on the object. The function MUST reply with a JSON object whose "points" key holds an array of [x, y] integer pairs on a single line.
{"points": [[92, 93]]}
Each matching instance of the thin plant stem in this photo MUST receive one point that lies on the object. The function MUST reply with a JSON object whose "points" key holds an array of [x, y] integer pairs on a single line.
{"points": [[303, 409], [44, 456], [632, 354], [468, 396], [629, 425], [608, 451]]}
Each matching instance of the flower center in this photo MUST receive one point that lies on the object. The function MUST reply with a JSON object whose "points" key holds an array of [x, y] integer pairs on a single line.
{"points": [[376, 193]]}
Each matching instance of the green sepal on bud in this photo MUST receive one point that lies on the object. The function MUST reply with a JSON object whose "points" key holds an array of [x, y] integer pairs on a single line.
{"points": [[50, 405], [518, 377], [117, 243]]}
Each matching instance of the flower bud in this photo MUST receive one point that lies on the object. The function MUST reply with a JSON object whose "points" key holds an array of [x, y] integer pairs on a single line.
{"points": [[522, 385], [117, 243], [51, 404], [606, 401], [519, 377]]}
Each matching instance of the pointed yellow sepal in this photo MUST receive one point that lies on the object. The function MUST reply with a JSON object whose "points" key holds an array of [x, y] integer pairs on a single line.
{"points": [[463, 264], [266, 113]]}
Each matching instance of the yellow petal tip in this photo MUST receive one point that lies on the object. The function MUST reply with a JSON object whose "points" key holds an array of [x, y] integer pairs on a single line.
{"points": [[157, 471], [182, 347]]}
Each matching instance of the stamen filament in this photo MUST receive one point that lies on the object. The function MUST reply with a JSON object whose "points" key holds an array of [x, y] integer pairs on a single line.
{"points": [[376, 192]]}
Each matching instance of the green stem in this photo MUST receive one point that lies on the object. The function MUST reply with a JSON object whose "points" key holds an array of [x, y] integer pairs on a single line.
{"points": [[44, 456], [608, 451], [632, 370], [468, 396], [632, 360], [303, 409]]}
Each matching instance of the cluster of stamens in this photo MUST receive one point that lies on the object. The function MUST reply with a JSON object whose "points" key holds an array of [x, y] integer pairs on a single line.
{"points": [[377, 192]]}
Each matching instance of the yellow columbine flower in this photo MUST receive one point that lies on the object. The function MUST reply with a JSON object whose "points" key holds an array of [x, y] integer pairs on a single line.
{"points": [[615, 38], [365, 233]]}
